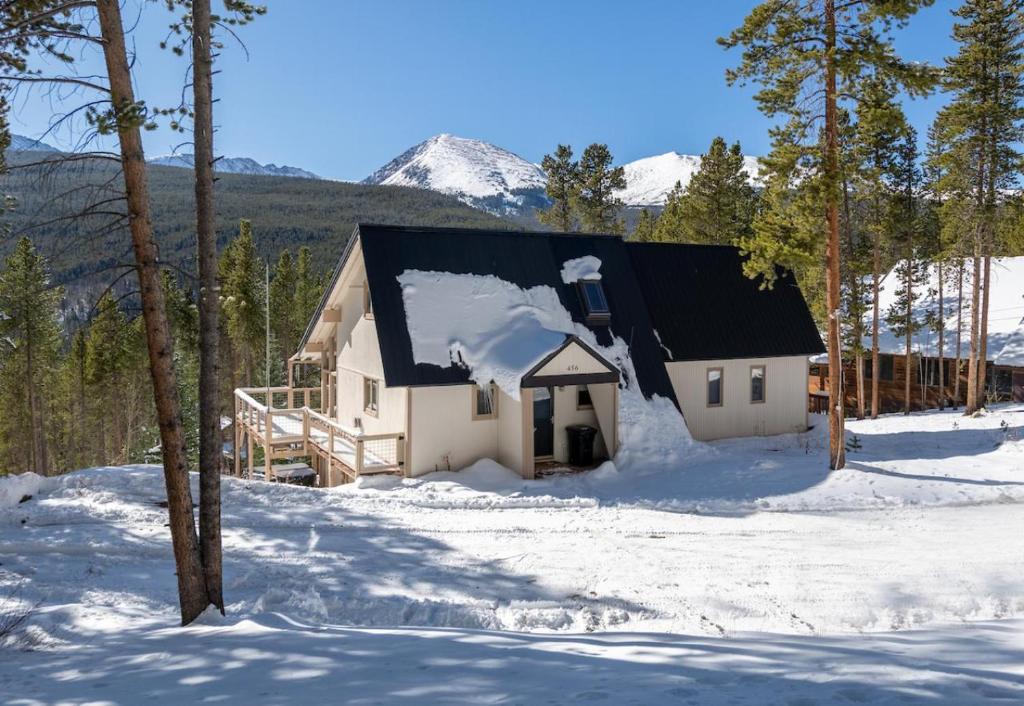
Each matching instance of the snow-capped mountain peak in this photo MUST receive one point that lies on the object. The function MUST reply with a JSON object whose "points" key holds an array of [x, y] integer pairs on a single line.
{"points": [[649, 180], [20, 143], [234, 165], [476, 172]]}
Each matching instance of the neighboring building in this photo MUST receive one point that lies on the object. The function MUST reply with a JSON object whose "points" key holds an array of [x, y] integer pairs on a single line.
{"points": [[441, 346], [1005, 343]]}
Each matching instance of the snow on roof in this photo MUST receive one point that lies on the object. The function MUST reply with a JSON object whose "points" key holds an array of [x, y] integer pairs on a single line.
{"points": [[1012, 353], [500, 331], [489, 326], [586, 267], [1006, 312]]}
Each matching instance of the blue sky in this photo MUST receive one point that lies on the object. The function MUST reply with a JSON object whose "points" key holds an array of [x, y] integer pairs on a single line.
{"points": [[341, 87]]}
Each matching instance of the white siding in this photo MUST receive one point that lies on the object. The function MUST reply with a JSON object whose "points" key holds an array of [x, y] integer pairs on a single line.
{"points": [[783, 411], [444, 434], [510, 432], [358, 358], [572, 360]]}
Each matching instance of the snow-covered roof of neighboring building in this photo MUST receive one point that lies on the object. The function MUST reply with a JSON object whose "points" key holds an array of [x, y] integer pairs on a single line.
{"points": [[1006, 313]]}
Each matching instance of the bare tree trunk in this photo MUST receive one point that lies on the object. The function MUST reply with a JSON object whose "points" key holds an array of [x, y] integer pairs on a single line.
{"points": [[942, 342], [909, 334], [983, 331], [38, 457], [972, 364], [855, 284], [971, 405], [859, 363], [191, 585], [875, 287], [959, 331], [209, 295], [837, 445]]}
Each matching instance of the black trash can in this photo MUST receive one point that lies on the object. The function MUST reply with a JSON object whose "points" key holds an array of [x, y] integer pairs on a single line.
{"points": [[581, 444]]}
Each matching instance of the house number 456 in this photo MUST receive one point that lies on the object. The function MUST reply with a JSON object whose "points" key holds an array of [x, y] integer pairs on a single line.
{"points": [[573, 368]]}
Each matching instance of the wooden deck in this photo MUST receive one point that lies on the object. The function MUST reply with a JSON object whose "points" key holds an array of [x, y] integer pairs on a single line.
{"points": [[338, 454]]}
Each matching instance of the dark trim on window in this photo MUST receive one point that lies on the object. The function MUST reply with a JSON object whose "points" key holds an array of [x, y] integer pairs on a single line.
{"points": [[594, 318]]}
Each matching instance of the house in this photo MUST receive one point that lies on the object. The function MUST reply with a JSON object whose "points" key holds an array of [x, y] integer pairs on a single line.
{"points": [[1004, 347], [440, 346]]}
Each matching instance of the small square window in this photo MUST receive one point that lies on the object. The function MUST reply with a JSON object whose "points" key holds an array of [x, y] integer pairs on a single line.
{"points": [[714, 387], [583, 400], [757, 383], [595, 305], [371, 396], [485, 402]]}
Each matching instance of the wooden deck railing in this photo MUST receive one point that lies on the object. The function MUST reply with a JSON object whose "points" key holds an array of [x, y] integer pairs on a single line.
{"points": [[293, 431]]}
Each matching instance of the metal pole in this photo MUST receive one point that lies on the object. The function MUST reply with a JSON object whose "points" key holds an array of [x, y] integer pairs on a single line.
{"points": [[266, 295]]}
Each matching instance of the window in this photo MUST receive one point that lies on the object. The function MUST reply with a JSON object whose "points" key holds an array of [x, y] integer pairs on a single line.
{"points": [[757, 383], [595, 306], [485, 402], [885, 365], [371, 396], [1004, 382], [583, 400], [714, 387], [367, 302]]}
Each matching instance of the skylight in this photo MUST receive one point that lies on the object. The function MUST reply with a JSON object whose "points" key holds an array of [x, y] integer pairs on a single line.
{"points": [[594, 303]]}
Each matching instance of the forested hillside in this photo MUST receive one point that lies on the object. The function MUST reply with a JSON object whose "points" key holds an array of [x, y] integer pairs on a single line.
{"points": [[285, 213]]}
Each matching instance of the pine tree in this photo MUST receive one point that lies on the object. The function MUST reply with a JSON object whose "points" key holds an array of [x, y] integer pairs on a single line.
{"points": [[909, 273], [107, 363], [562, 188], [856, 261], [183, 316], [283, 320], [309, 289], [598, 181], [718, 205], [29, 346], [982, 125], [242, 288], [805, 55], [879, 127], [643, 231], [669, 226]]}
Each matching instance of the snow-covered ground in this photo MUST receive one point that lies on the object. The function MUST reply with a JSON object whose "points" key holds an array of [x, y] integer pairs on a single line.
{"points": [[745, 574]]}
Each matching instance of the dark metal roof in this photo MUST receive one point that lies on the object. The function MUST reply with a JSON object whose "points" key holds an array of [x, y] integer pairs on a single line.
{"points": [[704, 307], [524, 259]]}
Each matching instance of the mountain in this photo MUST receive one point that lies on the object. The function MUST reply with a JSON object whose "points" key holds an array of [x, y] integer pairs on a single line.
{"points": [[20, 143], [489, 177], [649, 180], [84, 250], [476, 172], [235, 165]]}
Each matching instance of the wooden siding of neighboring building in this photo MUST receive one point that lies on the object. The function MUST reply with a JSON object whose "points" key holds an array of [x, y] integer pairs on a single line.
{"points": [[891, 391]]}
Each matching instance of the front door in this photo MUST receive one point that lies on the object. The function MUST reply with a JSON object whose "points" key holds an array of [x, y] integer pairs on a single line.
{"points": [[543, 422]]}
